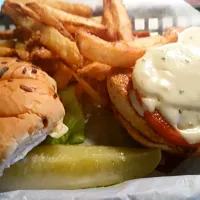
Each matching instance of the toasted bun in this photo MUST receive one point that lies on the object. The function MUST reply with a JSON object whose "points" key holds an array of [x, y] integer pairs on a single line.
{"points": [[118, 89], [29, 109]]}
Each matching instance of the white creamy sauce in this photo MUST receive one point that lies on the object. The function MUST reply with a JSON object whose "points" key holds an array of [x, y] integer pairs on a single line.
{"points": [[169, 79], [190, 36], [60, 130]]}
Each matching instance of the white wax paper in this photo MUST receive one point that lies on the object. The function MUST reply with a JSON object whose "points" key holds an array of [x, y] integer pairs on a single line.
{"points": [[184, 186]]}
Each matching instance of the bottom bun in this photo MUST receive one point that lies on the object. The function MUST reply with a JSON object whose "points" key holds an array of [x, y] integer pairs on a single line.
{"points": [[28, 142], [139, 137]]}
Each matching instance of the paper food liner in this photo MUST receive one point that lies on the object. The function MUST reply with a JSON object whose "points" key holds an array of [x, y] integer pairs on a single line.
{"points": [[183, 182]]}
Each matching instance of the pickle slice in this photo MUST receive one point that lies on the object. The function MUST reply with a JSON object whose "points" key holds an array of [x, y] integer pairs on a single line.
{"points": [[76, 167]]}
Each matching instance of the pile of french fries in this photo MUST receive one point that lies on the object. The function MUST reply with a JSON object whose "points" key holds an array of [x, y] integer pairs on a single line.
{"points": [[70, 44]]}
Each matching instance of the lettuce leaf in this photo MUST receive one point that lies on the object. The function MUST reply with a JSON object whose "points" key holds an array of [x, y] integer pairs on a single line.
{"points": [[74, 119]]}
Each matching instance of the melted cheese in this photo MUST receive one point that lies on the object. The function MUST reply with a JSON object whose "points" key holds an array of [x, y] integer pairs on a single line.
{"points": [[169, 79]]}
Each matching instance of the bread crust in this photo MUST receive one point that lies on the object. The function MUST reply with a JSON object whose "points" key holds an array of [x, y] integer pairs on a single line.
{"points": [[28, 104]]}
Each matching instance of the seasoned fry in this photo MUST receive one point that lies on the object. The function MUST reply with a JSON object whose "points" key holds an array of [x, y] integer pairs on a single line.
{"points": [[8, 43], [22, 34], [6, 52], [97, 19], [148, 42], [117, 20], [90, 91], [95, 70], [61, 45], [6, 35], [20, 45], [48, 19], [109, 21], [46, 12], [53, 40], [101, 88], [22, 54], [62, 76], [41, 53], [172, 34], [48, 65], [141, 34], [73, 8], [21, 8], [113, 54]]}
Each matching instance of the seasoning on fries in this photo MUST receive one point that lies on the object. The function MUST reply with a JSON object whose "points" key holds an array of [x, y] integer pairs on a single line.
{"points": [[73, 8], [113, 54], [117, 20]]}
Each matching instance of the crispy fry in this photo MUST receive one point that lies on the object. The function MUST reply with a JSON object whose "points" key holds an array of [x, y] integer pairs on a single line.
{"points": [[109, 21], [21, 51], [67, 19], [6, 52], [95, 70], [8, 43], [61, 45], [48, 65], [141, 34], [113, 54], [21, 8], [97, 19], [22, 34], [117, 20], [41, 53], [48, 19], [88, 89], [101, 88], [87, 61], [6, 35], [22, 54], [148, 42], [53, 40], [172, 34], [62, 76], [73, 8], [20, 45]]}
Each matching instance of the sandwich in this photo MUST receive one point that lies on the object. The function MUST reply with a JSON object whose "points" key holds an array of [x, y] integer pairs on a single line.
{"points": [[158, 100], [30, 109]]}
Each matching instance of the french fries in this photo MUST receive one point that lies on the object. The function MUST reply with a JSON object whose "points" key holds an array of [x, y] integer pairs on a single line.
{"points": [[6, 35], [141, 34], [42, 53], [65, 48], [6, 52], [24, 10], [54, 41], [97, 19], [73, 8], [8, 43], [117, 20], [46, 12], [95, 70], [148, 42], [171, 34], [22, 54], [113, 54], [71, 45], [109, 21], [89, 90], [21, 8], [62, 76]]}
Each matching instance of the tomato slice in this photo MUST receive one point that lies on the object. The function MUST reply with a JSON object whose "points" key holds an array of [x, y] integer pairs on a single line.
{"points": [[163, 128]]}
